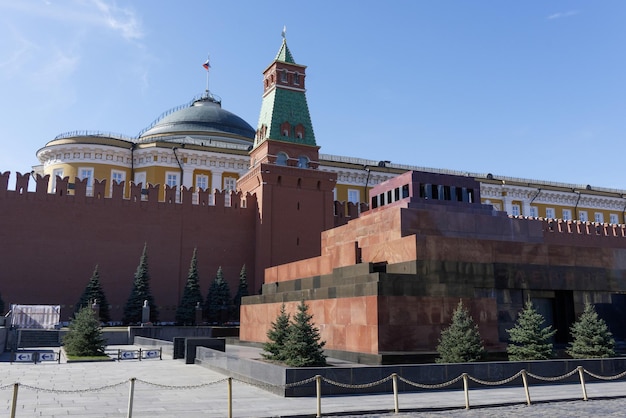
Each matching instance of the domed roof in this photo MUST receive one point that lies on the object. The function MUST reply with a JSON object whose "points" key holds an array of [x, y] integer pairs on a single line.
{"points": [[205, 116]]}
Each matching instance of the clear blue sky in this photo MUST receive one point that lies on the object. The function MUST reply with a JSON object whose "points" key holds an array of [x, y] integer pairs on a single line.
{"points": [[530, 89]]}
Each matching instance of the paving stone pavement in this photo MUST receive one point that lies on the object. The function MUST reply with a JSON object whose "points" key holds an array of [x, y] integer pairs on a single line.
{"points": [[168, 388]]}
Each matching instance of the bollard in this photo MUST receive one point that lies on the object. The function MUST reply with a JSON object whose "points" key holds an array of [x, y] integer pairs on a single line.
{"points": [[131, 394], [14, 402], [525, 380], [318, 389], [230, 397], [582, 382], [466, 390], [394, 380]]}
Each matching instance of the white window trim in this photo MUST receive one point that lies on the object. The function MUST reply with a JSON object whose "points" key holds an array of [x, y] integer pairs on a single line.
{"points": [[354, 192], [123, 173], [582, 216], [90, 178], [548, 211]]}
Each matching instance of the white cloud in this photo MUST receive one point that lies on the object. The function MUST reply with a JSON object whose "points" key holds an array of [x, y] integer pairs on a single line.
{"points": [[119, 19], [563, 14]]}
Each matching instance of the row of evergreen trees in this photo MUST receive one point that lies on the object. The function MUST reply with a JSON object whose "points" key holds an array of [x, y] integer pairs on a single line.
{"points": [[218, 307], [529, 338]]}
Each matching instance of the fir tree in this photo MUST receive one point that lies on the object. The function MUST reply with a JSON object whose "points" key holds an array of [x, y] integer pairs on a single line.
{"points": [[460, 342], [140, 293], [186, 311], [529, 340], [591, 336], [93, 292], [217, 303], [303, 347], [85, 335], [277, 336], [242, 291]]}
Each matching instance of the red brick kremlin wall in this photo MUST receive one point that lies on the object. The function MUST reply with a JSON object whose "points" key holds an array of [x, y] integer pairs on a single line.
{"points": [[50, 244]]}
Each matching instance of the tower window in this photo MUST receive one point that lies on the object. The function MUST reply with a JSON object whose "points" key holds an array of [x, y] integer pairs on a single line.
{"points": [[296, 78], [303, 161], [285, 128], [281, 158], [283, 76]]}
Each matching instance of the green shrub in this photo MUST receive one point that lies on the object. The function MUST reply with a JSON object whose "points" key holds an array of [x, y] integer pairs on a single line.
{"points": [[529, 340], [591, 336], [460, 342], [85, 335]]}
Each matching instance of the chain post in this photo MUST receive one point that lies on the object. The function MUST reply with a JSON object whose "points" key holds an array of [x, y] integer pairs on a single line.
{"points": [[525, 380], [466, 390], [582, 382], [131, 394], [394, 380], [230, 397], [14, 402], [318, 390]]}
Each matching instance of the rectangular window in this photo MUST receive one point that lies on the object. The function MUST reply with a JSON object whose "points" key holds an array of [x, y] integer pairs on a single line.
{"points": [[599, 217], [202, 182], [335, 194], [230, 183], [57, 172], [567, 215], [550, 213], [86, 173], [613, 218], [534, 212], [515, 210], [583, 215], [119, 177], [141, 178], [353, 196], [171, 179]]}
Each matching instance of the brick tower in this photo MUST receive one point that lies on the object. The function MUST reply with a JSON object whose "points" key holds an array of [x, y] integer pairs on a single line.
{"points": [[295, 198]]}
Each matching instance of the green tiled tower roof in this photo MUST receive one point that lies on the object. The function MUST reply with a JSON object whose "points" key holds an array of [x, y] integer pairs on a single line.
{"points": [[285, 102], [284, 54]]}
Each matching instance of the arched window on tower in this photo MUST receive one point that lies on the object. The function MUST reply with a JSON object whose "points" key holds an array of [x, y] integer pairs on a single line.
{"points": [[285, 129], [296, 78], [281, 158], [299, 129], [303, 161], [283, 76]]}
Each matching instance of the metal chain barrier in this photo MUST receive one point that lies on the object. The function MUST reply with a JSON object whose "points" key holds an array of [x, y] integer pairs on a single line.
{"points": [[49, 390], [318, 379], [436, 386], [552, 379], [361, 386], [300, 383], [173, 387], [497, 382]]}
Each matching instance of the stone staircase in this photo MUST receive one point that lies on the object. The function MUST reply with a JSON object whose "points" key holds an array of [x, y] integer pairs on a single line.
{"points": [[28, 338]]}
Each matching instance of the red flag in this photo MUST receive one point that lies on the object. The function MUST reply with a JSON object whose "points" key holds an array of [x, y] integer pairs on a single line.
{"points": [[206, 65]]}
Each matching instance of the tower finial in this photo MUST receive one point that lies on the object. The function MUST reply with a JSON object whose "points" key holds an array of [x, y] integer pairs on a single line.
{"points": [[284, 34]]}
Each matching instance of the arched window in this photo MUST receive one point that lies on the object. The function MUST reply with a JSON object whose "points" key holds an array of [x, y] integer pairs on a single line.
{"points": [[303, 161], [281, 158], [285, 128], [299, 131]]}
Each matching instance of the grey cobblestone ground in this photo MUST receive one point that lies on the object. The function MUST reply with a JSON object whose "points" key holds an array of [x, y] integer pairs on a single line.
{"points": [[168, 388]]}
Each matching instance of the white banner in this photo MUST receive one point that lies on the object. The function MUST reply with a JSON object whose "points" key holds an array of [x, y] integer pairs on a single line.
{"points": [[35, 316]]}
